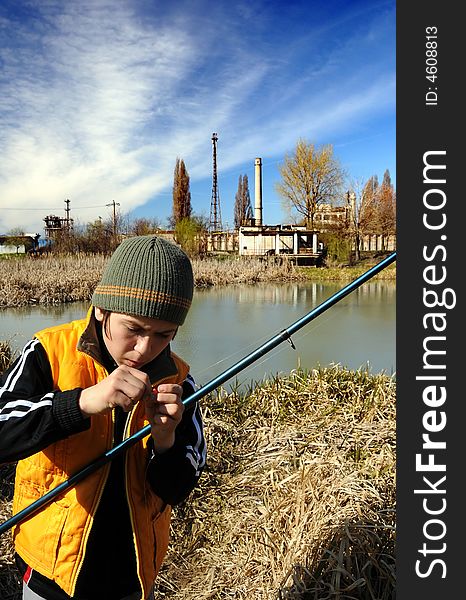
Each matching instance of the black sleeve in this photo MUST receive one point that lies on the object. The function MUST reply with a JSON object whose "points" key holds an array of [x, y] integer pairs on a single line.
{"points": [[32, 414], [174, 473]]}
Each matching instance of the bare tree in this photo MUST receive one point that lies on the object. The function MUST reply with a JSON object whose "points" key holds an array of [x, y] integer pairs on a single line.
{"points": [[243, 208], [378, 207], [354, 202], [181, 195], [97, 236], [143, 226], [310, 176], [16, 238], [386, 208], [368, 206]]}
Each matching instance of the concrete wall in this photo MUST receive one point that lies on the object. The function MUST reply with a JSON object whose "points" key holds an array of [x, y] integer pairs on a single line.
{"points": [[262, 241], [375, 242], [12, 249]]}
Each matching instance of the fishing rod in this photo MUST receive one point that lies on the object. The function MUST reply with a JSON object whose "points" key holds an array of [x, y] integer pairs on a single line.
{"points": [[284, 335]]}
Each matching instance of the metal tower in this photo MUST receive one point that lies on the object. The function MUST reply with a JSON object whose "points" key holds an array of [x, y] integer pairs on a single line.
{"points": [[215, 223]]}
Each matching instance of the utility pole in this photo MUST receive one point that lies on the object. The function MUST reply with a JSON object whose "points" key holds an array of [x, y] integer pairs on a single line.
{"points": [[114, 228], [67, 212]]}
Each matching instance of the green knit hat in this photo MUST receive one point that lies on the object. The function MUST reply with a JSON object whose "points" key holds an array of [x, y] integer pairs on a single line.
{"points": [[149, 277]]}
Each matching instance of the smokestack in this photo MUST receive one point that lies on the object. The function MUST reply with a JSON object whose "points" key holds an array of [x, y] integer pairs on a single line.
{"points": [[258, 193]]}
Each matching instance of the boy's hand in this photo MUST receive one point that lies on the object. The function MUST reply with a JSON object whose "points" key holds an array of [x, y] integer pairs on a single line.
{"points": [[124, 387], [164, 411]]}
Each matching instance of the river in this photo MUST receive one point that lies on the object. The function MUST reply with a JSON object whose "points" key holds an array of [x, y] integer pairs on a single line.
{"points": [[225, 324]]}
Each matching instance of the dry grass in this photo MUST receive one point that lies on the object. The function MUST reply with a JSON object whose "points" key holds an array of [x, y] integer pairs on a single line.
{"points": [[298, 498], [297, 501], [9, 580], [10, 587], [6, 355], [209, 272], [49, 280], [59, 279], [341, 273]]}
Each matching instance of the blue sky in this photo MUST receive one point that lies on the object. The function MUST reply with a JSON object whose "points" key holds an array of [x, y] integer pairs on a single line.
{"points": [[99, 97]]}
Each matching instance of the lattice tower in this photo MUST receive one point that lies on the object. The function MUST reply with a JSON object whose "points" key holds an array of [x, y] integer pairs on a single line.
{"points": [[215, 223]]}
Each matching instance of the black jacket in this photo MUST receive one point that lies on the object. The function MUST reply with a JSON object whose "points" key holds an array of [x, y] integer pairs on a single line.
{"points": [[33, 415]]}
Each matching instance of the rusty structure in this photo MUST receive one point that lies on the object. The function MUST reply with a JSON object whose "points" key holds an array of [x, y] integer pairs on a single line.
{"points": [[55, 226]]}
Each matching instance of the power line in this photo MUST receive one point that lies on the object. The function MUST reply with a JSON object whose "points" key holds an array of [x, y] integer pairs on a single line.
{"points": [[53, 208]]}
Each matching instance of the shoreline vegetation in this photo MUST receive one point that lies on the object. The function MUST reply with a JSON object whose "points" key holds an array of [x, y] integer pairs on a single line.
{"points": [[297, 500], [71, 278]]}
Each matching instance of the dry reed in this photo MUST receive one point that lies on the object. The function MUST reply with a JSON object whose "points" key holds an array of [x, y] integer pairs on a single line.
{"points": [[209, 272], [10, 588], [342, 273], [6, 355], [50, 279], [69, 278], [298, 498], [9, 579]]}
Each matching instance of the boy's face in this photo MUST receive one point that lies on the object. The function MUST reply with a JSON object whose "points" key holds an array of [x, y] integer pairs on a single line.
{"points": [[135, 341]]}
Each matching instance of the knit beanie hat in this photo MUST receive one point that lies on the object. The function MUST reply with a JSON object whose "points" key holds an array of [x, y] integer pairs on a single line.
{"points": [[149, 277]]}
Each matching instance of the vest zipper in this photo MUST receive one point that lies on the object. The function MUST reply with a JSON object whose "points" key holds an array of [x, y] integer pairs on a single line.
{"points": [[126, 434], [96, 506], [130, 508]]}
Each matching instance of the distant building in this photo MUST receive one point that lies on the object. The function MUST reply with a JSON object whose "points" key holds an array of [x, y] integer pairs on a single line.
{"points": [[328, 217], [19, 244], [299, 244]]}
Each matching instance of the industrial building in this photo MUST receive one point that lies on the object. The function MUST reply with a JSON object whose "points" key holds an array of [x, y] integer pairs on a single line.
{"points": [[300, 245]]}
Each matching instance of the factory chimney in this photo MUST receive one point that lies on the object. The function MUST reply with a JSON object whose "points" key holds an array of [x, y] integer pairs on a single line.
{"points": [[258, 193]]}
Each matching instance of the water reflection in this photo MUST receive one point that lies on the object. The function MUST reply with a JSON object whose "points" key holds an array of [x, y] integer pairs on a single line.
{"points": [[295, 294], [290, 293], [224, 325], [227, 323], [18, 325]]}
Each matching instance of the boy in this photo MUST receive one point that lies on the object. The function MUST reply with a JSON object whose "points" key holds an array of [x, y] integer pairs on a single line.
{"points": [[76, 391]]}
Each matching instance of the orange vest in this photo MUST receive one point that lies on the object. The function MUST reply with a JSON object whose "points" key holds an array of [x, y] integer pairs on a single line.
{"points": [[53, 540]]}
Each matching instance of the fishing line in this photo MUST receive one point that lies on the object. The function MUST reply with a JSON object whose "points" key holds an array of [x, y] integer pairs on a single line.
{"points": [[278, 350], [262, 339], [297, 337], [240, 350]]}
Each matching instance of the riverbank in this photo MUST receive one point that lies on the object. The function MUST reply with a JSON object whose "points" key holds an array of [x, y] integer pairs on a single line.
{"points": [[297, 500], [60, 279]]}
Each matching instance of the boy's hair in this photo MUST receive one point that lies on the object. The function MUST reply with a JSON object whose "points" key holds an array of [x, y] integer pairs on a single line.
{"points": [[149, 277]]}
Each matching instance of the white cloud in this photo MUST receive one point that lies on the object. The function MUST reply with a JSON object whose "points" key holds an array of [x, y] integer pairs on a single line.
{"points": [[99, 99]]}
